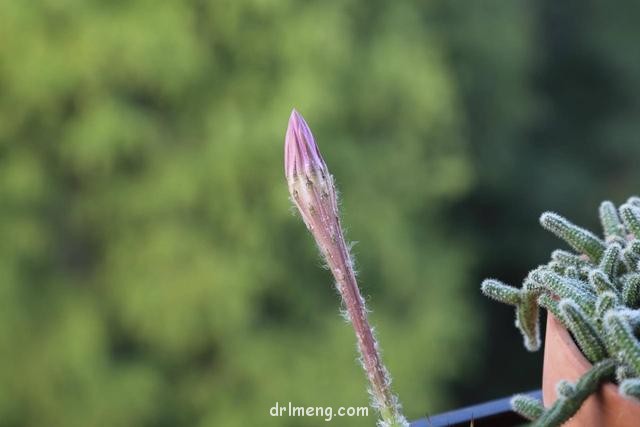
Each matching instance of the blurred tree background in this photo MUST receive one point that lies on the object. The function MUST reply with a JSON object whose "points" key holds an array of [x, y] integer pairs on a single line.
{"points": [[151, 271]]}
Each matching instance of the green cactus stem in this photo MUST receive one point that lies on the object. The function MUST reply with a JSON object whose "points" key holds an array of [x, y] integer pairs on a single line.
{"points": [[600, 282], [564, 287], [610, 261], [527, 406], [568, 259], [611, 224], [501, 292], [606, 301], [631, 290], [583, 330], [578, 238], [565, 407], [630, 215], [622, 339], [527, 319]]}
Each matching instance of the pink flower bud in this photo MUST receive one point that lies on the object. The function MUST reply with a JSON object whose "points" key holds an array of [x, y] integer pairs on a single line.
{"points": [[301, 152], [311, 185]]}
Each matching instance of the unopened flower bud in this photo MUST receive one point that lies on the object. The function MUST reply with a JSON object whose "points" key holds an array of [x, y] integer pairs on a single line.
{"points": [[311, 185], [313, 192]]}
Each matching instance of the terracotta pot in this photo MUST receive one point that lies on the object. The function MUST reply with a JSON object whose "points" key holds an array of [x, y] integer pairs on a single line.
{"points": [[564, 360]]}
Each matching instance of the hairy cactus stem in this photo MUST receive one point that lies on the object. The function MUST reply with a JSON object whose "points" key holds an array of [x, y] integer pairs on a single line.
{"points": [[313, 192]]}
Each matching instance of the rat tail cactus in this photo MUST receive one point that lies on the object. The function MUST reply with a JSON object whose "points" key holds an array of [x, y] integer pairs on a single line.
{"points": [[595, 293], [313, 192]]}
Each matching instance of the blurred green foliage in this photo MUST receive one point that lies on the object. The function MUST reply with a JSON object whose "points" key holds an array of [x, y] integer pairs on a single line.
{"points": [[151, 271], [551, 103]]}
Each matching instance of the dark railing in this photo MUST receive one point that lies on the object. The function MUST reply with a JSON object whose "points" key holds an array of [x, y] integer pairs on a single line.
{"points": [[495, 413]]}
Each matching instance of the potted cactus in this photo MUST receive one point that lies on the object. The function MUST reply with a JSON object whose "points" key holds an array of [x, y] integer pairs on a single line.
{"points": [[591, 373]]}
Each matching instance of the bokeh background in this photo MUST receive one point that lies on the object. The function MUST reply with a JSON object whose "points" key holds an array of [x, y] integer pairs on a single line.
{"points": [[151, 270]]}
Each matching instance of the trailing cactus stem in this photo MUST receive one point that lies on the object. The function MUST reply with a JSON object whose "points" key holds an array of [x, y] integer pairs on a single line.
{"points": [[501, 292], [611, 224], [601, 283], [634, 246], [564, 408], [527, 406], [631, 217], [610, 260], [578, 238], [631, 290], [527, 320], [583, 330], [551, 305], [572, 273], [564, 287], [568, 259], [622, 339], [630, 259], [606, 301]]}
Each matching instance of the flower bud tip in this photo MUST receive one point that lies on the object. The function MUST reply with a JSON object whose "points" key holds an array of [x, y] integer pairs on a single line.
{"points": [[301, 154]]}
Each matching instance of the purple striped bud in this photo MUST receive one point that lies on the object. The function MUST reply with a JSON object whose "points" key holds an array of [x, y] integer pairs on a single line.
{"points": [[311, 185], [301, 152]]}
